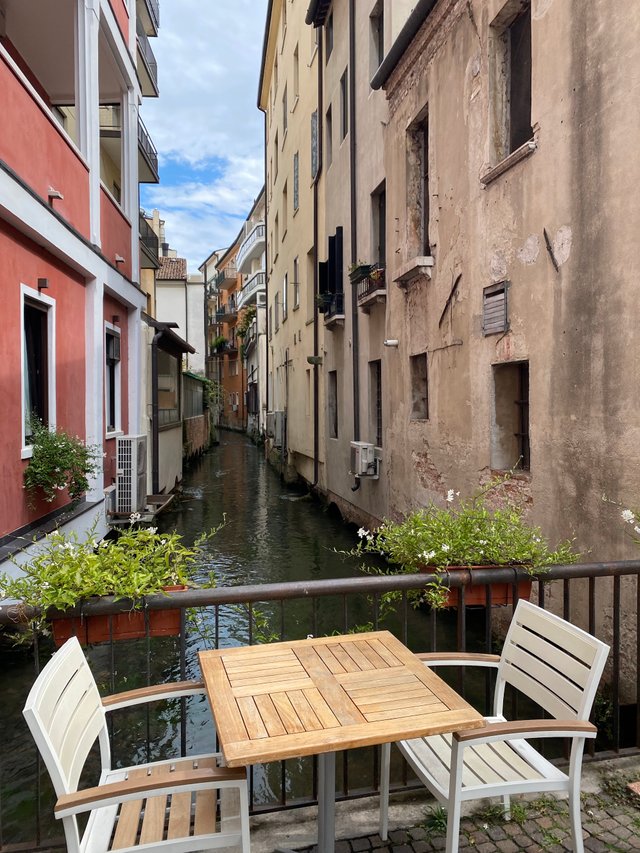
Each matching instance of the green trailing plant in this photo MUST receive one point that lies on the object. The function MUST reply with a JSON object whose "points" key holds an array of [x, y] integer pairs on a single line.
{"points": [[68, 570], [461, 533], [248, 316], [58, 461]]}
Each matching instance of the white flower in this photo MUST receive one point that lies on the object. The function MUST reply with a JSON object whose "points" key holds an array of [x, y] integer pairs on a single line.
{"points": [[445, 548], [135, 516], [362, 533], [450, 495], [628, 516], [152, 529], [428, 555], [482, 541], [163, 541], [637, 529]]}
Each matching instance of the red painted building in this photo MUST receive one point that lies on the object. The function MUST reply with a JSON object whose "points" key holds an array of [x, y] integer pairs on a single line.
{"points": [[72, 153]]}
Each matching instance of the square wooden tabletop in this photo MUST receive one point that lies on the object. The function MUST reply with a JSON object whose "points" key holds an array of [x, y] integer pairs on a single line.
{"points": [[325, 694]]}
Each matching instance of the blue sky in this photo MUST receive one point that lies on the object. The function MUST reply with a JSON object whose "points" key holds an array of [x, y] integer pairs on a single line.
{"points": [[205, 124]]}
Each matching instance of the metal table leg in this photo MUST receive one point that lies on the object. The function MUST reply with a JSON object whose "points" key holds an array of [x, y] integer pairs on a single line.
{"points": [[326, 802]]}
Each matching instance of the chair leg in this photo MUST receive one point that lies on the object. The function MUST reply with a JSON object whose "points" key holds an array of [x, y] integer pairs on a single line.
{"points": [[385, 760], [244, 818], [575, 768], [454, 803], [506, 806]]}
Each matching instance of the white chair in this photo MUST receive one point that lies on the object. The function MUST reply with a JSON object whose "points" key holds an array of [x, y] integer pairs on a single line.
{"points": [[165, 805], [555, 664]]}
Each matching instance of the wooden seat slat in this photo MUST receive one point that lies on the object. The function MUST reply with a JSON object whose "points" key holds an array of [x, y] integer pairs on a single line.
{"points": [[204, 820], [180, 816], [155, 810]]}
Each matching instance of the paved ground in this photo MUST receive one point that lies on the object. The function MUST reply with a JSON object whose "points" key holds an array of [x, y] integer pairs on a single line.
{"points": [[610, 819]]}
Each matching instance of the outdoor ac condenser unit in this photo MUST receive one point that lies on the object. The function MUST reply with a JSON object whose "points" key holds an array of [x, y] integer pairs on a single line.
{"points": [[364, 462], [131, 473]]}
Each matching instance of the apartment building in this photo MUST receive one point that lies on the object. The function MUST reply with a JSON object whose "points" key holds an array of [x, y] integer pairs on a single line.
{"points": [[288, 96], [72, 153]]}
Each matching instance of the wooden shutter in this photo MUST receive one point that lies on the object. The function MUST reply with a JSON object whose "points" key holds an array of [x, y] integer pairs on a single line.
{"points": [[494, 309]]}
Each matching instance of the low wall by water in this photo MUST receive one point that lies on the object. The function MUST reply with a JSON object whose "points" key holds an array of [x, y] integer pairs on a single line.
{"points": [[196, 435]]}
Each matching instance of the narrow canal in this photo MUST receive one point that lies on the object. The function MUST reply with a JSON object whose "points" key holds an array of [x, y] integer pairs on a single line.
{"points": [[271, 534]]}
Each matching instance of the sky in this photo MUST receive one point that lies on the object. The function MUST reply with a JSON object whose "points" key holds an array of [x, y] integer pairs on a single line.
{"points": [[205, 124]]}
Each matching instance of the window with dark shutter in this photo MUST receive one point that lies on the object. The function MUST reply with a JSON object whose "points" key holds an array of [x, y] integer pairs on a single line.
{"points": [[494, 309]]}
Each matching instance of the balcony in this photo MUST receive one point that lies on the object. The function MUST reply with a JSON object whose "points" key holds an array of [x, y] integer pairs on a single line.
{"points": [[333, 310], [253, 286], [226, 278], [148, 172], [148, 244], [146, 64], [148, 12], [251, 339], [227, 312], [251, 248], [371, 289]]}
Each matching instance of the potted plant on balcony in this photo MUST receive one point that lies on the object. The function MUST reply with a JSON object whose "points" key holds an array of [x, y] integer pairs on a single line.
{"points": [[66, 572], [358, 271], [465, 535], [218, 343], [59, 461]]}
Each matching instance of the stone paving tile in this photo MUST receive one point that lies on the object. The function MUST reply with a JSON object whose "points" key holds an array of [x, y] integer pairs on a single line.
{"points": [[610, 822]]}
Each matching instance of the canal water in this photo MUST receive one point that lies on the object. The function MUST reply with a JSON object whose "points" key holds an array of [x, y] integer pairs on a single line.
{"points": [[271, 533]]}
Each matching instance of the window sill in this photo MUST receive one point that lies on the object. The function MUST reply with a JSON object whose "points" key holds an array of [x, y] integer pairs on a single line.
{"points": [[295, 308], [295, 103], [114, 434], [284, 138], [26, 452], [503, 166], [418, 266]]}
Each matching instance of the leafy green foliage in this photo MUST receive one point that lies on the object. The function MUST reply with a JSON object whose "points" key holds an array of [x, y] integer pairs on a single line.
{"points": [[248, 316], [59, 461]]}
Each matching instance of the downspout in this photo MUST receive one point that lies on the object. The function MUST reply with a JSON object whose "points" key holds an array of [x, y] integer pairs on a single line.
{"points": [[266, 278], [186, 316], [155, 432], [354, 219], [206, 323], [316, 318]]}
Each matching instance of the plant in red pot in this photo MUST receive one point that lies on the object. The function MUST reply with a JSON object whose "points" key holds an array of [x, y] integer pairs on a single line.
{"points": [[463, 535], [67, 572]]}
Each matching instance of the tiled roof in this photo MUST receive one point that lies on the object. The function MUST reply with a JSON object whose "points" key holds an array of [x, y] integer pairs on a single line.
{"points": [[172, 269]]}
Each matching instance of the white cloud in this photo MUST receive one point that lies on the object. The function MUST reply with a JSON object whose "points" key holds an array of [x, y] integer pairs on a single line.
{"points": [[205, 124]]}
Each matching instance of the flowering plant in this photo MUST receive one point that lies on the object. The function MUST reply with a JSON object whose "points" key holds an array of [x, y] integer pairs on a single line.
{"points": [[59, 461], [463, 533], [66, 570]]}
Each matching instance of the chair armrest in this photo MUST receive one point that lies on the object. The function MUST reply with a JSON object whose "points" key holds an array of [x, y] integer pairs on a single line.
{"points": [[526, 729], [457, 659], [151, 694], [147, 786]]}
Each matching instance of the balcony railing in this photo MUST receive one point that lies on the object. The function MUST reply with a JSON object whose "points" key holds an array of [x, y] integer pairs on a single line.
{"points": [[339, 606], [147, 55], [148, 148], [371, 289], [253, 240], [153, 9], [252, 287], [334, 308], [227, 311], [148, 237], [226, 277]]}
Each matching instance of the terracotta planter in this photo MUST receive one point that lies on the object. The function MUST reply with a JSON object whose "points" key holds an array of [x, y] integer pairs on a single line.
{"points": [[476, 596], [126, 626]]}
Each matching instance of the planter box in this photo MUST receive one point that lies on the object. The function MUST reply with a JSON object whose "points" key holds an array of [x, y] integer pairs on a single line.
{"points": [[476, 596], [126, 626]]}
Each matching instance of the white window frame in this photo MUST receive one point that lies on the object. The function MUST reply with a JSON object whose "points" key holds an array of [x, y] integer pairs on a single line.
{"points": [[114, 330], [29, 294]]}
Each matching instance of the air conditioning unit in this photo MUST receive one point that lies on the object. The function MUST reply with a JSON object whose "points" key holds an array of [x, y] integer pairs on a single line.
{"points": [[364, 462], [234, 408], [131, 473], [261, 299]]}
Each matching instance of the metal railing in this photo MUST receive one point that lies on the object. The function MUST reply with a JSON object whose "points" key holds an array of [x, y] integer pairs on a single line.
{"points": [[147, 53], [252, 286], [372, 284], [334, 306], [588, 594], [153, 7], [256, 234], [148, 237], [228, 274], [147, 147]]}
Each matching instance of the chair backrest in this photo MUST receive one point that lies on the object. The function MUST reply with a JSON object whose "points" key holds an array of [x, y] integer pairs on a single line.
{"points": [[65, 715], [551, 661]]}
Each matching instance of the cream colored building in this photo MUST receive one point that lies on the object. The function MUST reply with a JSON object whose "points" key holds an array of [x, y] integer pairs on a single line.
{"points": [[288, 97]]}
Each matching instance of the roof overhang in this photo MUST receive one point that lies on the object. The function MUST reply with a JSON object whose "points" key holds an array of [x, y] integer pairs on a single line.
{"points": [[406, 35], [166, 338], [317, 12]]}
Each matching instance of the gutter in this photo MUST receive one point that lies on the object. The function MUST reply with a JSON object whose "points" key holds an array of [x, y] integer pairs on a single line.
{"points": [[354, 220], [406, 35], [316, 318]]}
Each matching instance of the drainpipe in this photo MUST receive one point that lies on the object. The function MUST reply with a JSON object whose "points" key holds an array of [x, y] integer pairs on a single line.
{"points": [[266, 279], [316, 313], [186, 316], [155, 433], [354, 219]]}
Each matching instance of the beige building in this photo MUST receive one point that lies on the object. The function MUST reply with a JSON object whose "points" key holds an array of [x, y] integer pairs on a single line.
{"points": [[288, 97]]}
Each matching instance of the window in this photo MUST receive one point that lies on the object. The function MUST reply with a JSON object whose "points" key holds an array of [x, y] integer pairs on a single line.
{"points": [[285, 208], [112, 379], [285, 306], [510, 429], [270, 323], [419, 387], [168, 389], [285, 112], [344, 104], [375, 402], [275, 156], [296, 181], [315, 159], [276, 311], [296, 284], [329, 136], [296, 74], [511, 77], [379, 224], [418, 187], [274, 90], [38, 362], [284, 20], [276, 234], [328, 36], [376, 21], [233, 367], [494, 309], [333, 404]]}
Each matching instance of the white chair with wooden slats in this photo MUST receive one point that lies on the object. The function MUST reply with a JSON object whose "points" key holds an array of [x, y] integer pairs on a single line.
{"points": [[555, 664], [165, 805]]}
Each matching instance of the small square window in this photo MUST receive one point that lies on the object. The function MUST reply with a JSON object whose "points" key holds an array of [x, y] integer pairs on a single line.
{"points": [[419, 387], [495, 309]]}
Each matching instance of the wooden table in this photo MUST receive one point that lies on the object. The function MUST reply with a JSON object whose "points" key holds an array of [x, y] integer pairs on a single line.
{"points": [[316, 696]]}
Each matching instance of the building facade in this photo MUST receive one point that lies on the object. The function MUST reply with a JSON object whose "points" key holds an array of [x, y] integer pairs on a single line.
{"points": [[72, 152]]}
